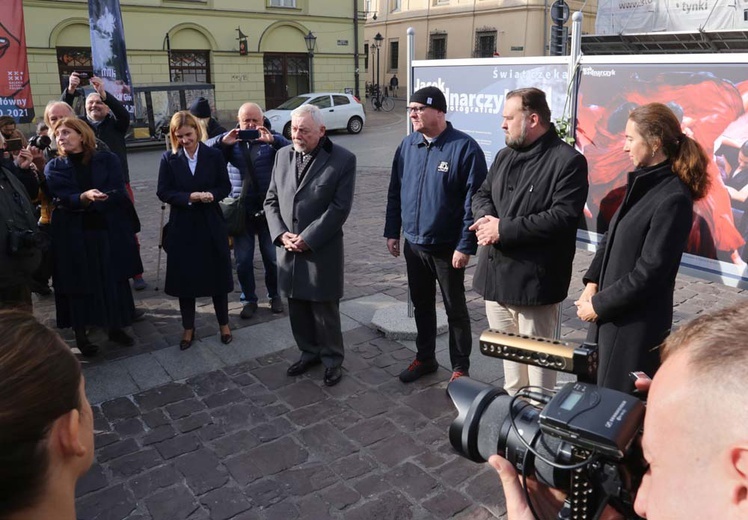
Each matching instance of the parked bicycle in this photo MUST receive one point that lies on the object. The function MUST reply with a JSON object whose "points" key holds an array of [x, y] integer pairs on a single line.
{"points": [[381, 101]]}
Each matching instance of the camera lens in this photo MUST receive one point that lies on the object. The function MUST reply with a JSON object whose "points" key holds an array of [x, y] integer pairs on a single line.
{"points": [[483, 427]]}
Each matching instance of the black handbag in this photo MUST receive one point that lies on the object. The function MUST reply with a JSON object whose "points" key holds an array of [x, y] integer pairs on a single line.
{"points": [[234, 209], [234, 214]]}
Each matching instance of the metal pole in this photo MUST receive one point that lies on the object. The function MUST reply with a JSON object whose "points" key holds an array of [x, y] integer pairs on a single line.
{"points": [[574, 57], [378, 67], [311, 71], [411, 50], [355, 50]]}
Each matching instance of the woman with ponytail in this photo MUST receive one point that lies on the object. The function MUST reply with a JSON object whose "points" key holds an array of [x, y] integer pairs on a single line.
{"points": [[628, 295]]}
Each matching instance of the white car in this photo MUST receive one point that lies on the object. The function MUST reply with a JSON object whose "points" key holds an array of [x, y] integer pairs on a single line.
{"points": [[340, 111]]}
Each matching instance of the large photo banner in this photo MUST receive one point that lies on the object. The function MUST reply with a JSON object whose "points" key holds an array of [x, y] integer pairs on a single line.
{"points": [[709, 94], [15, 88], [475, 91], [108, 50]]}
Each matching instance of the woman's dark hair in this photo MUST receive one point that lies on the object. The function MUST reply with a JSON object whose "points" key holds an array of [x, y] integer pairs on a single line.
{"points": [[39, 382], [660, 128], [88, 138]]}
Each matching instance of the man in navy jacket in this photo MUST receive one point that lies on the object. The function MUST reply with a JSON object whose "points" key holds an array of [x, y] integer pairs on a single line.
{"points": [[251, 162], [435, 172]]}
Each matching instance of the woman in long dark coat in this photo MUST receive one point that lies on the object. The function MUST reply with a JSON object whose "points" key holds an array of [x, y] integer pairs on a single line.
{"points": [[629, 286], [192, 179], [93, 237]]}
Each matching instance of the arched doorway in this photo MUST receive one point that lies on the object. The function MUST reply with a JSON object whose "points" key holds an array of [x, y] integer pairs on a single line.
{"points": [[286, 73]]}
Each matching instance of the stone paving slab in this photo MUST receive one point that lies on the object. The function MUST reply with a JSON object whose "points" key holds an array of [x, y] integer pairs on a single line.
{"points": [[238, 443]]}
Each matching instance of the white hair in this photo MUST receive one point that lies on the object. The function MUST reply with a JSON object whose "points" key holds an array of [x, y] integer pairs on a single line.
{"points": [[311, 110]]}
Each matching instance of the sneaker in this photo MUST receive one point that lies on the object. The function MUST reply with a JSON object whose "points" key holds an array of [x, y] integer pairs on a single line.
{"points": [[417, 369], [139, 284], [458, 373], [248, 311], [276, 304]]}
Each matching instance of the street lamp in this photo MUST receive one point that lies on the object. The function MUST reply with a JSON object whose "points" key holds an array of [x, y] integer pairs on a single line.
{"points": [[377, 44], [311, 40]]}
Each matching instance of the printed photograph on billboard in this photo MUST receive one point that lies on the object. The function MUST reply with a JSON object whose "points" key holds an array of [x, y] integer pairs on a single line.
{"points": [[709, 94], [475, 90]]}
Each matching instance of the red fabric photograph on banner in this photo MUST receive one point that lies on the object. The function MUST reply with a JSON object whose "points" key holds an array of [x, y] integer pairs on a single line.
{"points": [[15, 87]]}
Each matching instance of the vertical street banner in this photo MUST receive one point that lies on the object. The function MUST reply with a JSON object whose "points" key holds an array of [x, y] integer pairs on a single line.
{"points": [[15, 89], [108, 52]]}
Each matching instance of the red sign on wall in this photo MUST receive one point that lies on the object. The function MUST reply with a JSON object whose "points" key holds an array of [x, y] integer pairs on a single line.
{"points": [[15, 87]]}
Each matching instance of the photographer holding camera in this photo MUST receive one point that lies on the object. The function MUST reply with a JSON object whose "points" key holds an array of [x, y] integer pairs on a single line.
{"points": [[695, 430], [249, 150]]}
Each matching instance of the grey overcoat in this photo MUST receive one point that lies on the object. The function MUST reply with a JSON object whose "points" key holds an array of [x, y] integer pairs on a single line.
{"points": [[317, 209]]}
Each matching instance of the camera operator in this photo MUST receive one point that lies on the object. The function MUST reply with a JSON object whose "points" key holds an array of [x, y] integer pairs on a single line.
{"points": [[695, 430], [19, 255]]}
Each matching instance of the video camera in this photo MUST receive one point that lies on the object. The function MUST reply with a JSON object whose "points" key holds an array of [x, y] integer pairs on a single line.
{"points": [[581, 441], [42, 142]]}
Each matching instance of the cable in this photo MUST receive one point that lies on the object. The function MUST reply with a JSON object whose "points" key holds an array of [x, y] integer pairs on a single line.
{"points": [[553, 464]]}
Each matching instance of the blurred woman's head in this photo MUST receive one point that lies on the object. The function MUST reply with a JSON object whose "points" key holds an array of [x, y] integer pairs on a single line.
{"points": [[46, 423], [654, 134], [73, 135], [185, 132]]}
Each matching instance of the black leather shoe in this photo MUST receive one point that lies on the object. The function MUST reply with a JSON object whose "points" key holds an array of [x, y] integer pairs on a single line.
{"points": [[226, 338], [120, 337], [187, 343], [87, 348], [333, 375], [302, 366]]}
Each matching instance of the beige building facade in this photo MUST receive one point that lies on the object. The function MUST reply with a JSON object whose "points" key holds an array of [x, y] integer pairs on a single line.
{"points": [[197, 41], [459, 29]]}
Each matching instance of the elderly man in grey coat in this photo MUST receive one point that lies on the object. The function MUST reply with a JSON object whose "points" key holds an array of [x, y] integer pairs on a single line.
{"points": [[309, 199]]}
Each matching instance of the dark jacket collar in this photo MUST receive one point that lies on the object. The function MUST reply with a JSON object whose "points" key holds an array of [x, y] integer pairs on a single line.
{"points": [[541, 144]]}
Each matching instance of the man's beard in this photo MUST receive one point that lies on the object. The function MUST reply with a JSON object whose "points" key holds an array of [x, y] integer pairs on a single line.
{"points": [[518, 142]]}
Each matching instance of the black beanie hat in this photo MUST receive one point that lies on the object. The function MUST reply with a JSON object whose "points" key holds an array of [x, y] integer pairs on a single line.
{"points": [[200, 108], [430, 96]]}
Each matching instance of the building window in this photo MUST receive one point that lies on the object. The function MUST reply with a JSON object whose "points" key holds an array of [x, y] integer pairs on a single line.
{"points": [[485, 43], [366, 56], [441, 2], [394, 5], [73, 59], [394, 54], [282, 3], [438, 46], [189, 66]]}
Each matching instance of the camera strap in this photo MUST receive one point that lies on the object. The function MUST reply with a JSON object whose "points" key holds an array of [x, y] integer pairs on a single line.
{"points": [[250, 170]]}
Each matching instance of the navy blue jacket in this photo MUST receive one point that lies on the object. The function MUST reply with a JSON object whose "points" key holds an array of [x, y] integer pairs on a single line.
{"points": [[431, 189], [73, 274], [237, 167]]}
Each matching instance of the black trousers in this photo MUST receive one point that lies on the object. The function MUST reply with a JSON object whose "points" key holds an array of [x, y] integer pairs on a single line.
{"points": [[316, 329], [220, 305], [425, 269]]}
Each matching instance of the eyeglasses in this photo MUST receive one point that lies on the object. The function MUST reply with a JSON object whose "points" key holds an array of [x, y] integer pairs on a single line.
{"points": [[415, 110]]}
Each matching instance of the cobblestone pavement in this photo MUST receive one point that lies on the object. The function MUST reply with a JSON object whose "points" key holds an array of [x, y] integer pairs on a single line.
{"points": [[220, 432]]}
